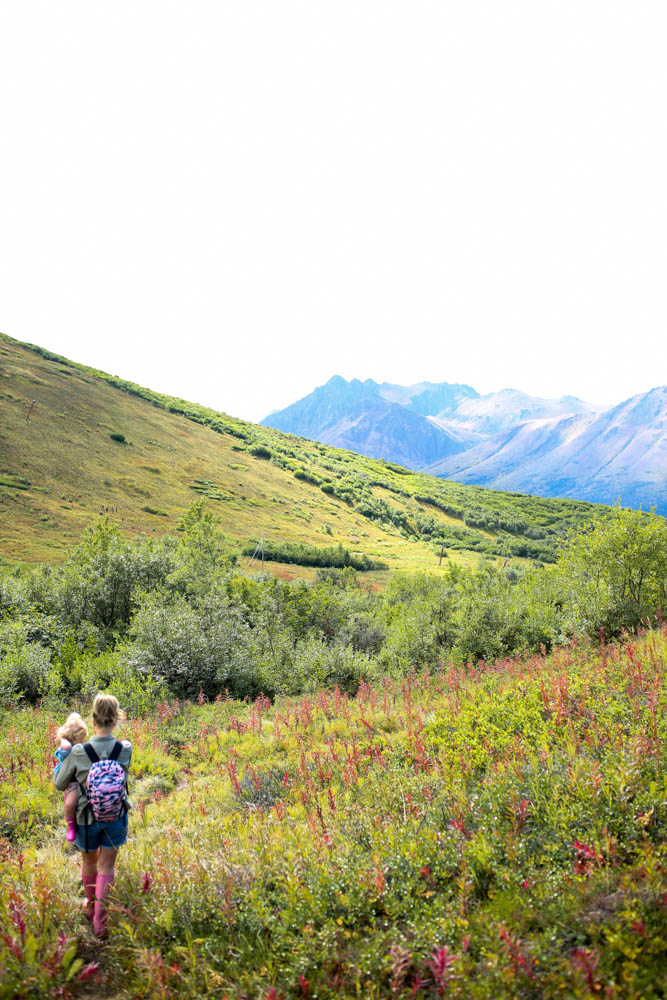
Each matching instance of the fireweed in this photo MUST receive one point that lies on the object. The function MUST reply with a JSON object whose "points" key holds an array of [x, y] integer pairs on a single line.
{"points": [[483, 830]]}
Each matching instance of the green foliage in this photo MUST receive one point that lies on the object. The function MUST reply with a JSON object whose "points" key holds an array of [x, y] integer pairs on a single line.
{"points": [[175, 616], [14, 482], [614, 575], [97, 583], [23, 664], [120, 438], [155, 510], [307, 477], [314, 555], [191, 647], [203, 551]]}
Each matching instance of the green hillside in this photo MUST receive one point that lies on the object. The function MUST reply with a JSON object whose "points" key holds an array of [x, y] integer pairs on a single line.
{"points": [[94, 443]]}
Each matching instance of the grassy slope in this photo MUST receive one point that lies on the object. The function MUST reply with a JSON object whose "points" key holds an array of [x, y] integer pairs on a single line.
{"points": [[513, 814], [61, 468]]}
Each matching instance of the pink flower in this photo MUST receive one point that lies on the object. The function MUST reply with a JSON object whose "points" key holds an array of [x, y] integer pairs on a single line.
{"points": [[440, 963], [89, 970]]}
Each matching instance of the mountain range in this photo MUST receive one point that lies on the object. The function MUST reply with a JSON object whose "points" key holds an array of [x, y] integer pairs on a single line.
{"points": [[504, 440]]}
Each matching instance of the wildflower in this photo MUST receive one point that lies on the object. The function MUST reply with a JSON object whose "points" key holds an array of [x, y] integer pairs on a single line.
{"points": [[585, 859], [440, 965], [417, 985], [146, 881], [586, 960], [17, 914], [517, 958], [88, 970], [12, 945]]}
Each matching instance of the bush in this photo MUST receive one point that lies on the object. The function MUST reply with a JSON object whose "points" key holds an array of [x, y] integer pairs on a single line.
{"points": [[120, 438], [191, 648], [316, 664], [23, 665], [614, 575], [97, 583]]}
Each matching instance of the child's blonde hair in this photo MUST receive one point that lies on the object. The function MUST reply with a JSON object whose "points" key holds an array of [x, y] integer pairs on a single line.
{"points": [[73, 729], [106, 711]]}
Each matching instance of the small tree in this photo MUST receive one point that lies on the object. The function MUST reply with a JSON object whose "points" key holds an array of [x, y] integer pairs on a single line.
{"points": [[203, 551]]}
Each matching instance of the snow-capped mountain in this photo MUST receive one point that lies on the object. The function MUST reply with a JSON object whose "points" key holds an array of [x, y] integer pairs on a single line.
{"points": [[505, 440]]}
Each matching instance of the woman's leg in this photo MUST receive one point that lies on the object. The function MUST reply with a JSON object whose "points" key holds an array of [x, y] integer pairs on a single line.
{"points": [[89, 879], [105, 876]]}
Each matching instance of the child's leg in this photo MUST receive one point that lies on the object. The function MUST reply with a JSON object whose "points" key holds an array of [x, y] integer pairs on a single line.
{"points": [[70, 798]]}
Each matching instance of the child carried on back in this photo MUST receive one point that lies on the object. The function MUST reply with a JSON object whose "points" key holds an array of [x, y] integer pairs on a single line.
{"points": [[74, 730]]}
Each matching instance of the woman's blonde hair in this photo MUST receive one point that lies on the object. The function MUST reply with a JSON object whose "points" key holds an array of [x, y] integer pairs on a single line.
{"points": [[73, 729], [106, 711]]}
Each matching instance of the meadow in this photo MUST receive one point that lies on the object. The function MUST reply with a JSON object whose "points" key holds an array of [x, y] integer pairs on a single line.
{"points": [[482, 830]]}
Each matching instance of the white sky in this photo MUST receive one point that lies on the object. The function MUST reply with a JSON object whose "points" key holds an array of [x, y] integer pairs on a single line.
{"points": [[231, 201]]}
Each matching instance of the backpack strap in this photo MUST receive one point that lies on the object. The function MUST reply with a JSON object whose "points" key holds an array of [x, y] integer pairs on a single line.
{"points": [[92, 753], [114, 755]]}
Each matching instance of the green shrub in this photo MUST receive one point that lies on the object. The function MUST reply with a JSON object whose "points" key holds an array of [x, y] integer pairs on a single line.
{"points": [[614, 574], [23, 665], [192, 648], [313, 555]]}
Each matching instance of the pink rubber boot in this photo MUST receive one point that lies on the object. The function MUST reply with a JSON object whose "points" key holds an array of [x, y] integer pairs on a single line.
{"points": [[100, 919], [89, 884], [71, 831]]}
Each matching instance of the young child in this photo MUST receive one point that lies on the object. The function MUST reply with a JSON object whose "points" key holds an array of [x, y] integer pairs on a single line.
{"points": [[73, 731]]}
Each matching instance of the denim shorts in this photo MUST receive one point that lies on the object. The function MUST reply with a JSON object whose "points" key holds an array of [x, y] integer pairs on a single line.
{"points": [[102, 834]]}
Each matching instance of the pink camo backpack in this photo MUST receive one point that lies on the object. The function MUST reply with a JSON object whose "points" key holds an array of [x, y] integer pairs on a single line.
{"points": [[106, 785]]}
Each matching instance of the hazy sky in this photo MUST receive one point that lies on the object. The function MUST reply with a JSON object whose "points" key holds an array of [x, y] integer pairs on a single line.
{"points": [[231, 201]]}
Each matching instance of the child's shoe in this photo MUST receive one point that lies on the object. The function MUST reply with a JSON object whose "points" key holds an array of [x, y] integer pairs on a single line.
{"points": [[71, 831]]}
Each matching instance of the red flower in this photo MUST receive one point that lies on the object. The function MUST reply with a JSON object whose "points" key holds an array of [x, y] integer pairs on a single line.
{"points": [[586, 961], [88, 970], [440, 963]]}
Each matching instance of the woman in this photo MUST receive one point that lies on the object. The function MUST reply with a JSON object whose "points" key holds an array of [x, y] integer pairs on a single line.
{"points": [[99, 838]]}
